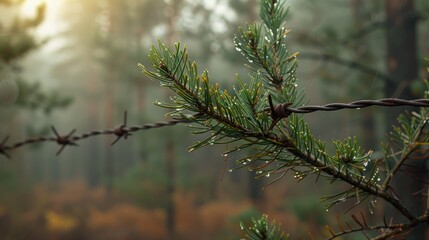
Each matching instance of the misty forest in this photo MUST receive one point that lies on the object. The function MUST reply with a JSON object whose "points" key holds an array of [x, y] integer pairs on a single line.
{"points": [[214, 119]]}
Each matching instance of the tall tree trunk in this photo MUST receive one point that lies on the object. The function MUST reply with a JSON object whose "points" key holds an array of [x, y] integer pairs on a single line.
{"points": [[403, 68], [401, 47], [170, 172], [172, 11], [255, 193], [366, 121], [110, 100], [92, 175]]}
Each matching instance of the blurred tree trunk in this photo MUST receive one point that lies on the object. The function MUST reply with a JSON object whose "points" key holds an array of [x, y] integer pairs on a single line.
{"points": [[401, 47], [110, 97], [92, 173], [170, 172], [362, 54], [170, 169], [255, 194], [403, 68]]}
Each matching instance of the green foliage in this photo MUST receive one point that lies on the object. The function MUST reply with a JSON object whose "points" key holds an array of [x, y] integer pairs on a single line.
{"points": [[308, 209], [8, 180], [139, 181], [263, 230], [16, 41], [246, 216], [32, 97], [243, 117], [249, 118]]}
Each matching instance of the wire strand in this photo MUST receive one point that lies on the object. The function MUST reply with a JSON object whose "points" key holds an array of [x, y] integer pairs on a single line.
{"points": [[385, 102], [281, 110]]}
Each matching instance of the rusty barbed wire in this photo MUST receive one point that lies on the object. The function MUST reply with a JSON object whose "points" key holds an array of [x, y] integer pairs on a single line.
{"points": [[70, 139], [277, 112], [384, 102]]}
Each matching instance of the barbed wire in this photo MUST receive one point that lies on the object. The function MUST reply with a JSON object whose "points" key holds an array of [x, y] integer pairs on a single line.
{"points": [[385, 102], [122, 131], [277, 112]]}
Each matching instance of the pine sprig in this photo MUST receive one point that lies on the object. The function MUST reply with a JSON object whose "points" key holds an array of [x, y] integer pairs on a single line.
{"points": [[261, 229], [264, 46], [409, 136], [236, 116]]}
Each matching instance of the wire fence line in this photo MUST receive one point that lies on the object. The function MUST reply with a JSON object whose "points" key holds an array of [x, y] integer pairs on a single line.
{"points": [[384, 102], [281, 110]]}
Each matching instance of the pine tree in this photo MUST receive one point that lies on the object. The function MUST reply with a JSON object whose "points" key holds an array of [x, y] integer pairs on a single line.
{"points": [[257, 116]]}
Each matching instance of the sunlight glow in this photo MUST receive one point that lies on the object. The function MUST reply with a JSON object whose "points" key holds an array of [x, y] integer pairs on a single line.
{"points": [[29, 7]]}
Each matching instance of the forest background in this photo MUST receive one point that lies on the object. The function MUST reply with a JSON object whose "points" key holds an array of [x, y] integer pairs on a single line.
{"points": [[76, 68]]}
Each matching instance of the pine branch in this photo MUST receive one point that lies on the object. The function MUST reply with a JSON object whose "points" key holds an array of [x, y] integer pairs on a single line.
{"points": [[388, 230], [404, 229], [410, 134]]}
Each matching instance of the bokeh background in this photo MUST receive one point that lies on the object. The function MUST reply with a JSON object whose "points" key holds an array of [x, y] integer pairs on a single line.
{"points": [[72, 64]]}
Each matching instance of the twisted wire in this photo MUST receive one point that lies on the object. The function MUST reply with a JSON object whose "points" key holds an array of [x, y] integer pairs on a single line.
{"points": [[281, 110], [156, 125], [75, 138], [385, 102]]}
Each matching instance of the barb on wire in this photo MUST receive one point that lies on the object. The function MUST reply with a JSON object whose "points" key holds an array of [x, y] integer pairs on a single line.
{"points": [[2, 145], [277, 112], [121, 131], [64, 140]]}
